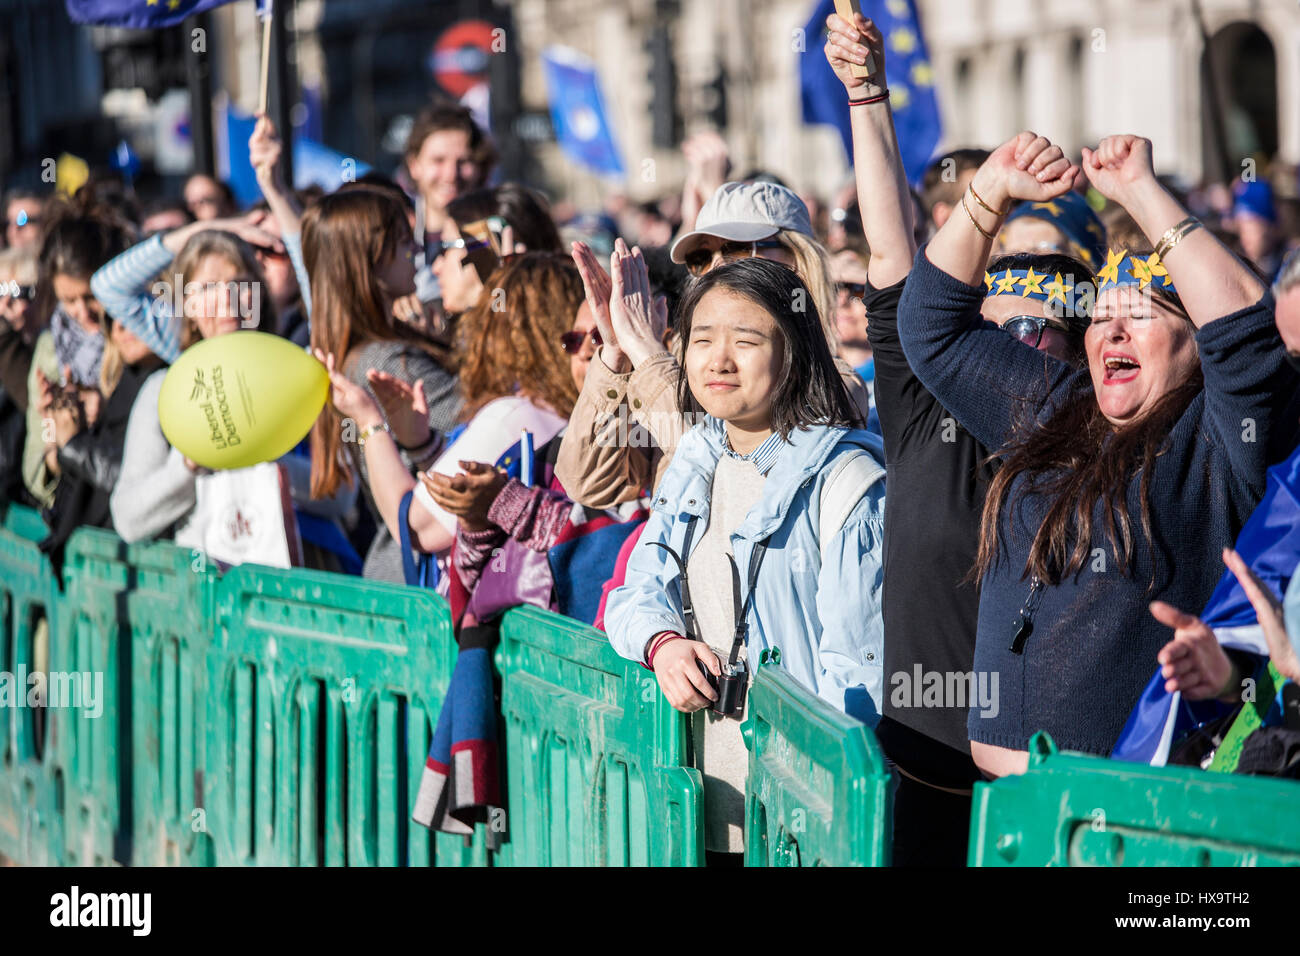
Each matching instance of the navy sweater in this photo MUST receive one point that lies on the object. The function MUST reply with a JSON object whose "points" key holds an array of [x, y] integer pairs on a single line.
{"points": [[1094, 642]]}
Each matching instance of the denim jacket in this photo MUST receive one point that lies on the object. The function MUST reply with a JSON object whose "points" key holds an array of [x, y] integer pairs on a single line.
{"points": [[823, 616]]}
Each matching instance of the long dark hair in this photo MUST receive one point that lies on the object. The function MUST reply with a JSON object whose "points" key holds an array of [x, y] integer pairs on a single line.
{"points": [[526, 211], [809, 389], [1077, 459]]}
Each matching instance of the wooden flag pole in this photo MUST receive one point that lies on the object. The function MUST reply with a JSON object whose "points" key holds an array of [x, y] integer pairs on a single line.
{"points": [[264, 90]]}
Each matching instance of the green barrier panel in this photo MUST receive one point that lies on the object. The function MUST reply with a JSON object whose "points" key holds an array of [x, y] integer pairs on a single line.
{"points": [[322, 694], [1075, 810], [25, 523], [818, 789], [92, 648], [31, 812], [593, 753], [172, 609]]}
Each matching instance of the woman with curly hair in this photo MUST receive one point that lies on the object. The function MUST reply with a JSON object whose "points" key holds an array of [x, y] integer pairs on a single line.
{"points": [[514, 377]]}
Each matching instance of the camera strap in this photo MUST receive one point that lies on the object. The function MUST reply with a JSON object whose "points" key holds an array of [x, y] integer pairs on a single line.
{"points": [[742, 610], [688, 610]]}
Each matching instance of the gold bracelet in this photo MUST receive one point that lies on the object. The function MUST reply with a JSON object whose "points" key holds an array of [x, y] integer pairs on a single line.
{"points": [[1174, 235], [982, 202], [984, 232]]}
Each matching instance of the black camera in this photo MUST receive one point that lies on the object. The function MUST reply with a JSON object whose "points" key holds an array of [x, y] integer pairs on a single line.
{"points": [[730, 687]]}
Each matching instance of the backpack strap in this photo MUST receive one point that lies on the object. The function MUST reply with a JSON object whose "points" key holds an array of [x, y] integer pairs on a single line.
{"points": [[848, 481]]}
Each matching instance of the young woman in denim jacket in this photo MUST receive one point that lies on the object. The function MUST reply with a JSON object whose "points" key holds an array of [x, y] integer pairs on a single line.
{"points": [[775, 427]]}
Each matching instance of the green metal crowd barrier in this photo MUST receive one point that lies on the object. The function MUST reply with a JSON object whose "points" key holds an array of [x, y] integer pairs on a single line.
{"points": [[31, 807], [817, 792], [322, 693], [1075, 810], [594, 754], [170, 608]]}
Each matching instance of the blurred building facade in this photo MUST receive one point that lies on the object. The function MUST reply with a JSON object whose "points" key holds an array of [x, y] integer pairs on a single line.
{"points": [[1073, 70]]}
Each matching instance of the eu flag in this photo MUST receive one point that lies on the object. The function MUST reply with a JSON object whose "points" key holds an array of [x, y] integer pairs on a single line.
{"points": [[137, 14], [910, 77], [578, 111]]}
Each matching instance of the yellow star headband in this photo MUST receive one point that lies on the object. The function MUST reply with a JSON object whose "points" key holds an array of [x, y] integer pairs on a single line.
{"points": [[1044, 286], [1127, 268]]}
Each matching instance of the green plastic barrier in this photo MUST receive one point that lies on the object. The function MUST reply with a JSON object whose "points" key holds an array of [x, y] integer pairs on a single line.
{"points": [[1075, 810], [93, 743], [818, 788], [593, 753], [31, 811], [322, 692], [172, 610]]}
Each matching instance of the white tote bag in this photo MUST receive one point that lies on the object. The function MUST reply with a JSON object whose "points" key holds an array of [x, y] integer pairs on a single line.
{"points": [[244, 516]]}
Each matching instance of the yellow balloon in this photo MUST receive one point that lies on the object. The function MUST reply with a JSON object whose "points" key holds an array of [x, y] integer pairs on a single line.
{"points": [[241, 399]]}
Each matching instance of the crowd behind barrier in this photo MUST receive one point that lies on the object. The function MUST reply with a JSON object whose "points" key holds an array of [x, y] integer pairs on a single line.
{"points": [[281, 717], [602, 554]]}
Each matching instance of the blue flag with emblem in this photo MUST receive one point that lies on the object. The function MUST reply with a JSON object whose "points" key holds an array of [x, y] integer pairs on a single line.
{"points": [[138, 14], [909, 74], [578, 111], [1269, 543]]}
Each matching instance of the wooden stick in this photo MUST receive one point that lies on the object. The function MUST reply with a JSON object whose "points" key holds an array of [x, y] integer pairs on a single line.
{"points": [[847, 11], [264, 89]]}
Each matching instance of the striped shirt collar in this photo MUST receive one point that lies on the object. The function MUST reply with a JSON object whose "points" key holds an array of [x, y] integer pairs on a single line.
{"points": [[763, 457]]}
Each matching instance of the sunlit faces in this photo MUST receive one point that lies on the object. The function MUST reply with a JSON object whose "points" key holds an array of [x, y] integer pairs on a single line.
{"points": [[443, 168], [584, 323], [1028, 234], [212, 294], [457, 278], [733, 359], [1055, 339], [1139, 349], [76, 299]]}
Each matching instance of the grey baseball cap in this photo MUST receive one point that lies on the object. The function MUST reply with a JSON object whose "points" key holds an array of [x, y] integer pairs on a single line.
{"points": [[745, 212]]}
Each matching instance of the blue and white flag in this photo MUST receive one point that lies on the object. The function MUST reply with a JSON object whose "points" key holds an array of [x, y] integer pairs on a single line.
{"points": [[578, 111], [1270, 545], [137, 14], [910, 76]]}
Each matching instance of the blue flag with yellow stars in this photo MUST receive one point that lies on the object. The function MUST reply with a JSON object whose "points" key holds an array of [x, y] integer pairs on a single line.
{"points": [[910, 77], [137, 14]]}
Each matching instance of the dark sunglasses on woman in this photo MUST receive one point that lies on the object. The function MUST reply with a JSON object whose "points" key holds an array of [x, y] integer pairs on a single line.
{"points": [[700, 261], [1029, 328], [572, 342]]}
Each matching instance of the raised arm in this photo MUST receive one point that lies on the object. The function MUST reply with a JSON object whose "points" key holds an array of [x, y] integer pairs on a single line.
{"points": [[983, 376], [883, 198], [1027, 167], [127, 285], [1210, 280]]}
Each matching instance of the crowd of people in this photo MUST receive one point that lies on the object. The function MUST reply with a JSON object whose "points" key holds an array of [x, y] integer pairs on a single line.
{"points": [[1005, 428]]}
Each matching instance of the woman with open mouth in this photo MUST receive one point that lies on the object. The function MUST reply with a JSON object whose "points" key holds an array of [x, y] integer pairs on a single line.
{"points": [[1121, 483]]}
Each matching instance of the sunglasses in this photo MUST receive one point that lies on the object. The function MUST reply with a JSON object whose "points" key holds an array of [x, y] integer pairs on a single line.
{"points": [[572, 342], [700, 261], [15, 290], [856, 290], [1029, 328]]}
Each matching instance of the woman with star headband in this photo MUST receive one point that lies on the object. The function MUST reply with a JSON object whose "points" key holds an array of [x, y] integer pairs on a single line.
{"points": [[1119, 484]]}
